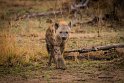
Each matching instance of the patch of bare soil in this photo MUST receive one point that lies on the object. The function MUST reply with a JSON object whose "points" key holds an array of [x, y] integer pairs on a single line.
{"points": [[83, 72]]}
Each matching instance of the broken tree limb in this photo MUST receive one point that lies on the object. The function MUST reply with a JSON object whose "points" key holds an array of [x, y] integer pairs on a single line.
{"points": [[32, 15], [55, 12], [97, 48]]}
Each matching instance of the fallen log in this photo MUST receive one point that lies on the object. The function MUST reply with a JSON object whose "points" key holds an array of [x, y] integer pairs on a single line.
{"points": [[32, 15], [55, 12], [97, 48]]}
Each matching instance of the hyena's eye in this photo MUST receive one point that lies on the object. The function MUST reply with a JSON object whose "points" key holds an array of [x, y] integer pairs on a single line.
{"points": [[66, 32], [60, 32]]}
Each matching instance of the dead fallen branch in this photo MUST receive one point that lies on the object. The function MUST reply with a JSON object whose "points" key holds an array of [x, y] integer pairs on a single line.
{"points": [[55, 12], [97, 48], [32, 15]]}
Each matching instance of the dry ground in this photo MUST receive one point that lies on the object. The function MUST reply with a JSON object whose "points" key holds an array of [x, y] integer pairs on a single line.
{"points": [[84, 72]]}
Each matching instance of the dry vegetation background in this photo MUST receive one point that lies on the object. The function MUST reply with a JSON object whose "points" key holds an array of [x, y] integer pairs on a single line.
{"points": [[22, 44]]}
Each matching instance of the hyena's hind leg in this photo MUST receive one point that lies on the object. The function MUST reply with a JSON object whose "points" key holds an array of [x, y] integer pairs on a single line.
{"points": [[50, 61], [49, 50]]}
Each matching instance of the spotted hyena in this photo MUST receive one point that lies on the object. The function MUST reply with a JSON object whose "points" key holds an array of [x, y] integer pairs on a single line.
{"points": [[56, 36]]}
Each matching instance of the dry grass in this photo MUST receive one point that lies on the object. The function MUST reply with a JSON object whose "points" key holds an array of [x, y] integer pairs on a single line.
{"points": [[8, 50], [14, 53]]}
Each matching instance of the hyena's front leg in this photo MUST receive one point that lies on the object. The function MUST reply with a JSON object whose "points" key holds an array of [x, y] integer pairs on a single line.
{"points": [[60, 63], [61, 57], [55, 58], [62, 46]]}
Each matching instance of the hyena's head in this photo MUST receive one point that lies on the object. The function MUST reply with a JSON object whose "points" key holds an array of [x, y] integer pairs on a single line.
{"points": [[62, 30]]}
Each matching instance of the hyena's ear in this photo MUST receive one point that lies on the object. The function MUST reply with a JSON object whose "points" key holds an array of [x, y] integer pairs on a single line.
{"points": [[56, 26], [49, 21], [70, 24]]}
